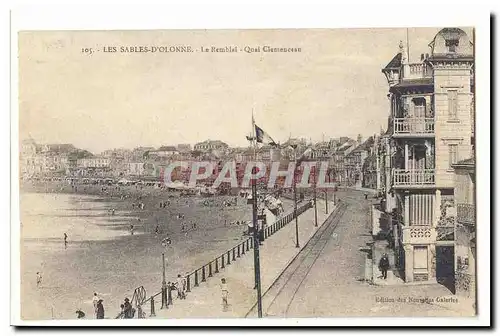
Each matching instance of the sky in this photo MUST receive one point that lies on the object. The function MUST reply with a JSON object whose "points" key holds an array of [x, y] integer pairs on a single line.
{"points": [[334, 87]]}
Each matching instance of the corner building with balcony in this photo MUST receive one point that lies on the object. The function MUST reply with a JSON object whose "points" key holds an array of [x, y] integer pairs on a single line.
{"points": [[430, 127]]}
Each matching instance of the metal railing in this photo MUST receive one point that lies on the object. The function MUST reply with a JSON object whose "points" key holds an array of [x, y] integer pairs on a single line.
{"points": [[466, 213], [416, 126], [202, 274], [414, 177]]}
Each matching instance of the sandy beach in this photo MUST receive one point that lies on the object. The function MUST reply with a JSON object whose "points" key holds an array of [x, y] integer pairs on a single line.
{"points": [[102, 256]]}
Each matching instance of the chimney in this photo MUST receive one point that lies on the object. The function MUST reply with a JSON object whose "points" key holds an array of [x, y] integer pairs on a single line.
{"points": [[421, 57], [426, 56], [359, 138]]}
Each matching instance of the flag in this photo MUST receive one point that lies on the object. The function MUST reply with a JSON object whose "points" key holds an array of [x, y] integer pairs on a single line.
{"points": [[263, 137]]}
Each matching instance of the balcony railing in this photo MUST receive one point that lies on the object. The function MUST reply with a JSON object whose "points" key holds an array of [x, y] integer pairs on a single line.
{"points": [[418, 234], [414, 177], [418, 70], [466, 213], [413, 126]]}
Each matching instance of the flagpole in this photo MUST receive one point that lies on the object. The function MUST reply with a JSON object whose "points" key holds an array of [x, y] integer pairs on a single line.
{"points": [[256, 240]]}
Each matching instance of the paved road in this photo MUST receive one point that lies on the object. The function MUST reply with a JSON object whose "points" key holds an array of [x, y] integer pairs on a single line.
{"points": [[326, 279], [279, 296]]}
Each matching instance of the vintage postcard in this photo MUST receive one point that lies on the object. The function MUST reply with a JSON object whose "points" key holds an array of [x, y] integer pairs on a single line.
{"points": [[247, 173]]}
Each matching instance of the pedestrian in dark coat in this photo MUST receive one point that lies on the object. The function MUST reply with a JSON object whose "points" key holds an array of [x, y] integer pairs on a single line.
{"points": [[384, 265], [99, 310], [127, 309]]}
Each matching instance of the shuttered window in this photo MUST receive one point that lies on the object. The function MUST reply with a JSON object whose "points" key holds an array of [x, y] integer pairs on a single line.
{"points": [[452, 104], [453, 154]]}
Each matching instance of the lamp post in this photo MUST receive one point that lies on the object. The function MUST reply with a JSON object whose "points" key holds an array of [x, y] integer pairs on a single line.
{"points": [[163, 285], [315, 207], [297, 245], [256, 243]]}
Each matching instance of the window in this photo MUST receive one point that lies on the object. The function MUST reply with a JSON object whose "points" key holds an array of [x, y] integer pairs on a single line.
{"points": [[452, 45], [453, 154], [420, 261], [419, 107], [452, 104]]}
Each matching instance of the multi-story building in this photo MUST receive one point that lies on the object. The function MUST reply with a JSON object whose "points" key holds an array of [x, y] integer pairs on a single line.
{"points": [[44, 159], [163, 152], [211, 145], [465, 228], [371, 173], [430, 126], [183, 148], [337, 161], [354, 161]]}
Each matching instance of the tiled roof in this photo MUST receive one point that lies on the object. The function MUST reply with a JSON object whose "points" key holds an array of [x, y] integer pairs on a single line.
{"points": [[167, 148], [395, 62]]}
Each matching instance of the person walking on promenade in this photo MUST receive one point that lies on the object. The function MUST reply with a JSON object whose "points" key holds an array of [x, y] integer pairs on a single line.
{"points": [[366, 195], [80, 314], [38, 279], [171, 288], [127, 309], [95, 299], [384, 265], [99, 310], [181, 287], [224, 293]]}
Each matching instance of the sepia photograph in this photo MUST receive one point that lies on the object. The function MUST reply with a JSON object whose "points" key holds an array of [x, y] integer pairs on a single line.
{"points": [[175, 174]]}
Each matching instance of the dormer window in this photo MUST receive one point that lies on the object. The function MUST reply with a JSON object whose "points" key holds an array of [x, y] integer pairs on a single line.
{"points": [[452, 45]]}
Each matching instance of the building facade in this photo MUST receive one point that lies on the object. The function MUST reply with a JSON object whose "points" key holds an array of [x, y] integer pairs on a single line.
{"points": [[430, 130], [211, 145], [465, 228]]}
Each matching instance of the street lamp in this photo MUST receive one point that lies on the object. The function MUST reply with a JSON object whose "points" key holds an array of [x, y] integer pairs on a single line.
{"points": [[295, 197], [163, 285], [315, 207]]}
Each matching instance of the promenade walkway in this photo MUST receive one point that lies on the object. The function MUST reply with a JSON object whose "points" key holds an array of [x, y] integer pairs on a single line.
{"points": [[334, 286], [276, 253]]}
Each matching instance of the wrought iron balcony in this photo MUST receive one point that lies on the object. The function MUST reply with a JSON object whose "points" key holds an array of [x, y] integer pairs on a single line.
{"points": [[414, 177], [466, 213], [414, 126]]}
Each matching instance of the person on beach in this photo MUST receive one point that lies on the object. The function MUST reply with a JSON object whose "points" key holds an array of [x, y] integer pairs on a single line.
{"points": [[95, 299], [112, 212], [65, 240], [38, 279], [157, 230], [224, 293], [99, 310], [132, 229], [165, 242]]}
